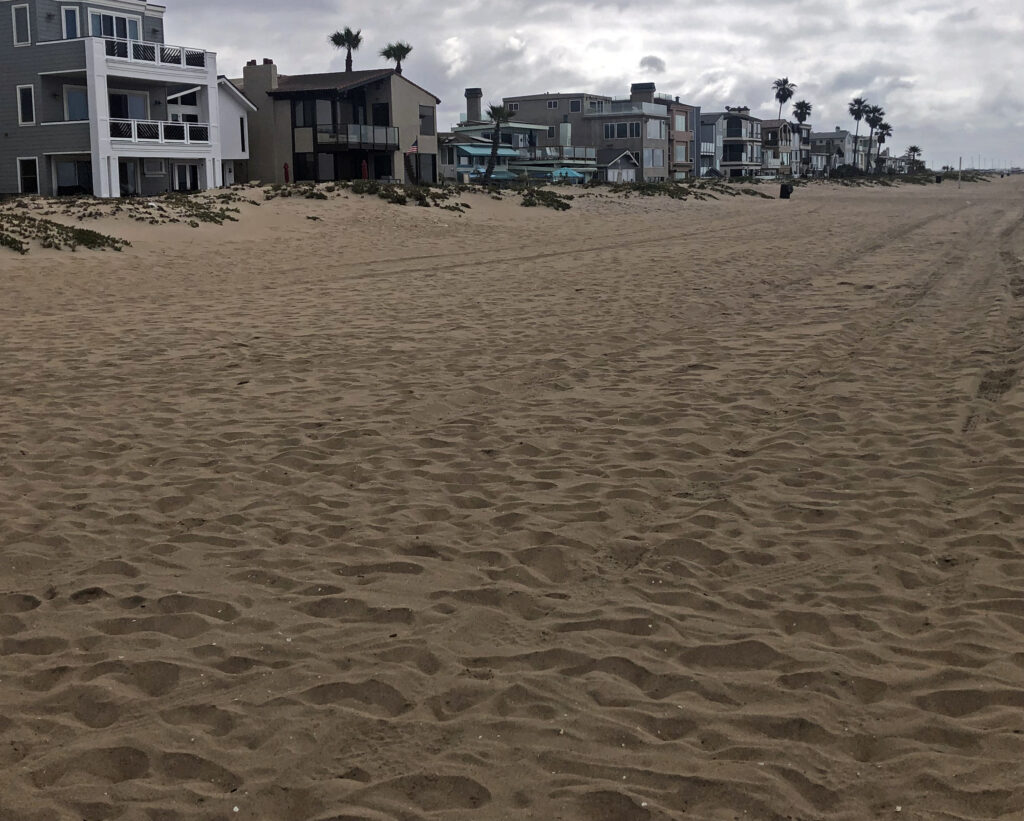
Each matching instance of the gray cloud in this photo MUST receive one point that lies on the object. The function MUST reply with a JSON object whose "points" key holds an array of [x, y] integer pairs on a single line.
{"points": [[653, 64], [932, 64]]}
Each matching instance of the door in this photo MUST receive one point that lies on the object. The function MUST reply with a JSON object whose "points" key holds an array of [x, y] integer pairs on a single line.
{"points": [[186, 177], [128, 171], [629, 175], [229, 173], [28, 175]]}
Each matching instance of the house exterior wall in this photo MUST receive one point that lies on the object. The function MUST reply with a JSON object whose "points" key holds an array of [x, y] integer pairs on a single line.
{"points": [[232, 112], [406, 99], [51, 64]]}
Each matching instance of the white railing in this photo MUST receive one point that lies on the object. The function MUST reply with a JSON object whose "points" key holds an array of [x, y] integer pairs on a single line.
{"points": [[707, 148], [160, 131], [157, 54]]}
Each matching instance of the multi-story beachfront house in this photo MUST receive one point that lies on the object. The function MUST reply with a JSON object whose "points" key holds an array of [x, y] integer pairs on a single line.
{"points": [[741, 141], [466, 150], [712, 129], [837, 146], [683, 128], [802, 163], [349, 125], [637, 124], [93, 100], [776, 148]]}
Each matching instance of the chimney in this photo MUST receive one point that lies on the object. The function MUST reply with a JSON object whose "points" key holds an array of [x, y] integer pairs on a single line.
{"points": [[473, 105], [259, 78], [642, 92], [838, 128]]}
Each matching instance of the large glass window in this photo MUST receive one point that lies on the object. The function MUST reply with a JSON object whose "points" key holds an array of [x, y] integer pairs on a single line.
{"points": [[26, 105], [680, 152], [575, 106], [427, 127], [129, 105], [304, 111], [121, 26], [76, 103], [657, 156], [69, 16], [680, 122], [22, 29]]}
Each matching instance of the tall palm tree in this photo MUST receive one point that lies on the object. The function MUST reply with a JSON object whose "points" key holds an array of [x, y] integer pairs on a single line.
{"points": [[497, 114], [348, 40], [397, 51], [882, 133], [873, 116], [858, 105], [784, 91], [913, 151], [802, 111]]}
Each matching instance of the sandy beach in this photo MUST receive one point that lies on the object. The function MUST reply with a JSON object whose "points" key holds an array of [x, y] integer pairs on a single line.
{"points": [[643, 511]]}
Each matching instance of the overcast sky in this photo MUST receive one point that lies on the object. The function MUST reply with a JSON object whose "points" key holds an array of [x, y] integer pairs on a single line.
{"points": [[948, 74]]}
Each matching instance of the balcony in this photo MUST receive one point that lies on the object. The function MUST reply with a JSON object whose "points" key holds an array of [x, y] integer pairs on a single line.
{"points": [[771, 162], [159, 131], [562, 152], [358, 136], [707, 148], [155, 54], [604, 108]]}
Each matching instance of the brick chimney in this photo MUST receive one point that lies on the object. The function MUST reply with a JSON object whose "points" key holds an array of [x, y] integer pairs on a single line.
{"points": [[642, 92], [473, 104], [259, 79]]}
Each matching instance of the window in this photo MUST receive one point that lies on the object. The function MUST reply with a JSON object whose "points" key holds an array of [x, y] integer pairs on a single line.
{"points": [[69, 19], [513, 106], [427, 128], [76, 103], [192, 98], [120, 26], [634, 129], [648, 162], [304, 113], [129, 105], [680, 152], [152, 167], [680, 122], [324, 113], [575, 106], [658, 156], [552, 103], [621, 131], [22, 29], [28, 175], [241, 131], [26, 105], [551, 132]]}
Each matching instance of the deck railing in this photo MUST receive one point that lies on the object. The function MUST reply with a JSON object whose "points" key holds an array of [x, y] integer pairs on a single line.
{"points": [[364, 136], [160, 131], [158, 54]]}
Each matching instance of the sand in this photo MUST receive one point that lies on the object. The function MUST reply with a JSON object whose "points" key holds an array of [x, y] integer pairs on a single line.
{"points": [[646, 510]]}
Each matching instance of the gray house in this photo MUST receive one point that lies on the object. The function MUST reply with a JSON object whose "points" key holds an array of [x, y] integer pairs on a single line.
{"points": [[94, 101], [637, 124]]}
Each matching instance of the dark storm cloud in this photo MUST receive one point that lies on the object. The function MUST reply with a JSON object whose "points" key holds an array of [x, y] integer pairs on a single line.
{"points": [[653, 64]]}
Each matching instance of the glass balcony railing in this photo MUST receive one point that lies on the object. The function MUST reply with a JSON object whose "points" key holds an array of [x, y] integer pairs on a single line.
{"points": [[361, 136]]}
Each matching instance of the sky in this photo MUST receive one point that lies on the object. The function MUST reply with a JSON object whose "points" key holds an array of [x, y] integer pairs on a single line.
{"points": [[947, 73]]}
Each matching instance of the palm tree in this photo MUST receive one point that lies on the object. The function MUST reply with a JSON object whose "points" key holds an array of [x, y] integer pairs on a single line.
{"points": [[858, 105], [397, 51], [784, 90], [912, 152], [348, 40], [497, 114], [802, 111], [873, 115], [882, 133]]}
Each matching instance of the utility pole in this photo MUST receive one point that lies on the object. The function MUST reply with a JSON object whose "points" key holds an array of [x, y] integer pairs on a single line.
{"points": [[960, 174]]}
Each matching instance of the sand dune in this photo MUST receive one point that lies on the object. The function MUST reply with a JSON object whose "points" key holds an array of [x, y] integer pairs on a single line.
{"points": [[646, 510]]}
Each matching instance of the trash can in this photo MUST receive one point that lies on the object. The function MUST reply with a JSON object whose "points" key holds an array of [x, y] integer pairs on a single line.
{"points": [[784, 191], [938, 178]]}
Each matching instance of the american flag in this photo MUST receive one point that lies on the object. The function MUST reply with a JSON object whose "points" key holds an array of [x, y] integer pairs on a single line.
{"points": [[415, 147]]}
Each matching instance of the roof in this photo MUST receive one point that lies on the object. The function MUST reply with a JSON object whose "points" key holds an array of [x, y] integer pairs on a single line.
{"points": [[484, 150], [236, 92], [608, 156], [484, 125], [290, 84], [775, 123]]}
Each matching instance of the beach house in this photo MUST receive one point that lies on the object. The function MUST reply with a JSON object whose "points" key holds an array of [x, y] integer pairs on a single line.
{"points": [[93, 100], [636, 124], [683, 132], [777, 148], [374, 124], [741, 141]]}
